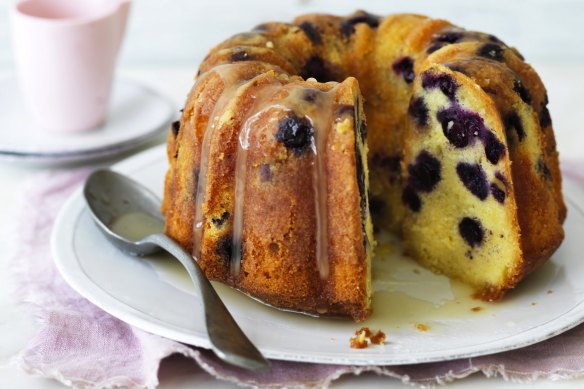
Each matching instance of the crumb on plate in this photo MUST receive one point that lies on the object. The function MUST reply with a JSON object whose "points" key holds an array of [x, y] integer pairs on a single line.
{"points": [[364, 337]]}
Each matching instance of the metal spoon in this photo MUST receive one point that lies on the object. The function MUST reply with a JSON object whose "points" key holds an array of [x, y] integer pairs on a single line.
{"points": [[109, 196]]}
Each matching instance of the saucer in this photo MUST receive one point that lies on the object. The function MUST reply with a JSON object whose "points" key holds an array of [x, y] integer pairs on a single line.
{"points": [[135, 116]]}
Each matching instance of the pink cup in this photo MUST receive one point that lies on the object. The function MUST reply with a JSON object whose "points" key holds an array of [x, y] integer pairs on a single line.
{"points": [[65, 52]]}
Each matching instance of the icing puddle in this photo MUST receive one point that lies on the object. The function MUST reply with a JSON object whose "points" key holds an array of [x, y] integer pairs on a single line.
{"points": [[171, 271], [407, 297], [135, 225]]}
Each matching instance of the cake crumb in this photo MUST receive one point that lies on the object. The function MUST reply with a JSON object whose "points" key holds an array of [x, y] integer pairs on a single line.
{"points": [[270, 44], [476, 309], [364, 336], [549, 291], [422, 327], [378, 338]]}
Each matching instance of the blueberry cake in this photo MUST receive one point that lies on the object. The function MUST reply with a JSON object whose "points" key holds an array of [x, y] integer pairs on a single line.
{"points": [[298, 139]]}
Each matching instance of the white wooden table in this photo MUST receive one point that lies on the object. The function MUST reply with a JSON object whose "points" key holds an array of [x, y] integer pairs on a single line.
{"points": [[565, 85]]}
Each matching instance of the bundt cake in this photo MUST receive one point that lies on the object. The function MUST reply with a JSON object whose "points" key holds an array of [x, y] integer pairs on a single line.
{"points": [[275, 177]]}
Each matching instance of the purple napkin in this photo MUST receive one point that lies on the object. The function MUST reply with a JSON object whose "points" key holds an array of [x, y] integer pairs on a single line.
{"points": [[83, 346]]}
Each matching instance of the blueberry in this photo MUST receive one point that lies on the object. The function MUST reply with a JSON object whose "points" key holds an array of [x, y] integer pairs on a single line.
{"points": [[405, 67], [543, 169], [175, 128], [348, 25], [545, 119], [424, 174], [498, 193], [499, 176], [435, 46], [460, 126], [419, 111], [445, 82], [471, 231], [240, 55], [522, 91], [444, 39], [296, 133], [474, 179], [376, 205], [448, 37], [221, 220], [411, 199], [513, 121], [310, 94], [265, 173], [312, 32], [494, 39], [224, 248], [494, 148], [491, 51]]}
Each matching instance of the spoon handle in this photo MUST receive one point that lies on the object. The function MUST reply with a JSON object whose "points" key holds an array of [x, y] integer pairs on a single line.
{"points": [[228, 340]]}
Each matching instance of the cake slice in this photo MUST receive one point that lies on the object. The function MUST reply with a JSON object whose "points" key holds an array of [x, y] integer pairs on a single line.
{"points": [[459, 193], [281, 208]]}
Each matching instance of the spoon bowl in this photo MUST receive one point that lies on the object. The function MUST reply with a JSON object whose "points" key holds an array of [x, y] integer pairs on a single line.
{"points": [[112, 197]]}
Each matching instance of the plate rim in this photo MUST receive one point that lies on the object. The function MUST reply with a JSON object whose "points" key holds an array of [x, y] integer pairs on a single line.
{"points": [[74, 207]]}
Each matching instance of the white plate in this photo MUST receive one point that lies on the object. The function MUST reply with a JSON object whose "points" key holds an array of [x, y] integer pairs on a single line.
{"points": [[425, 317], [136, 114]]}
